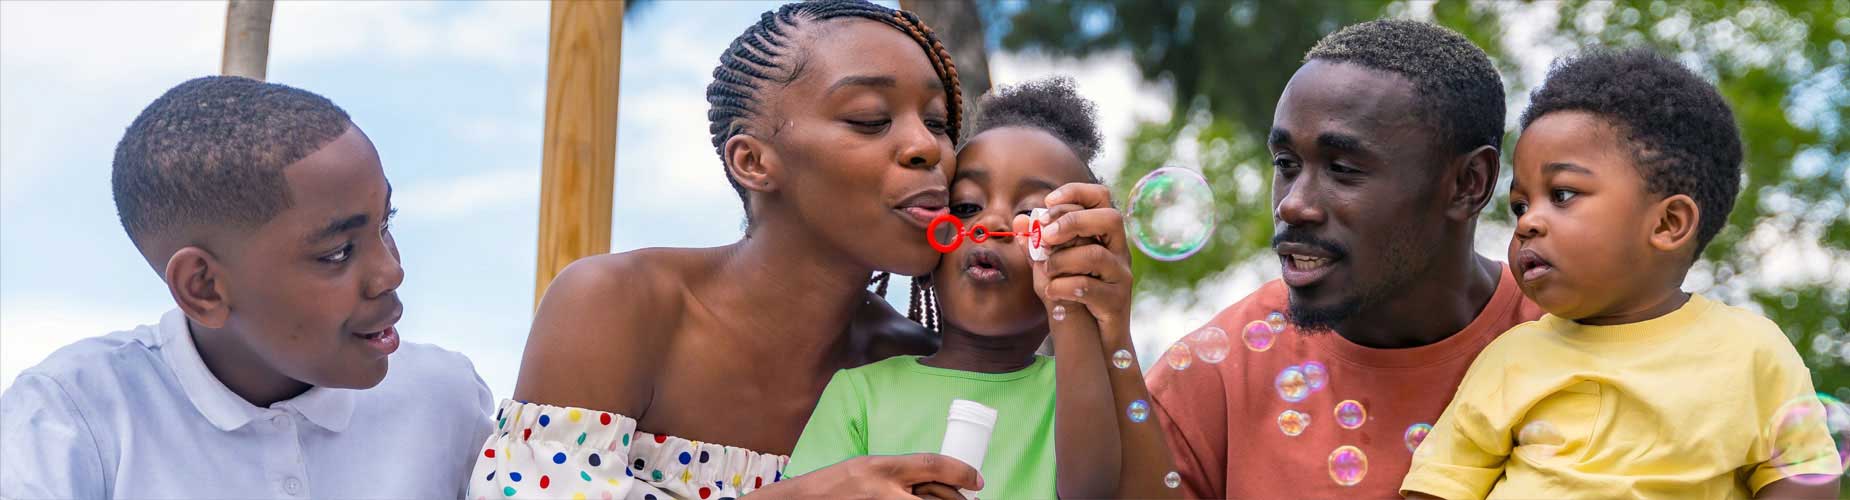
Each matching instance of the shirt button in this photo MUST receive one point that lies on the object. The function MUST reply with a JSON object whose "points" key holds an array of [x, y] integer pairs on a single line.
{"points": [[292, 486], [280, 421]]}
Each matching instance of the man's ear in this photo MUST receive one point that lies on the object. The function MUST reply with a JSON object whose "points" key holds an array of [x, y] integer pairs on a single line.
{"points": [[751, 162], [195, 278], [1676, 220], [1473, 183]]}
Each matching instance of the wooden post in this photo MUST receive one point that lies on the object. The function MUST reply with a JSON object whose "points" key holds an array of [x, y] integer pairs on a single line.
{"points": [[247, 38], [578, 164]]}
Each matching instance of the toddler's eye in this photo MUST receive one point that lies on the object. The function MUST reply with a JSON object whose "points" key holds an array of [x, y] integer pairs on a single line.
{"points": [[1517, 208], [1562, 195], [965, 210]]}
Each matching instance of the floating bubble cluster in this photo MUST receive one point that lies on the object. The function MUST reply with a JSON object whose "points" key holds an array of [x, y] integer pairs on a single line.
{"points": [[1172, 480], [1210, 344], [1276, 320], [1348, 465], [1179, 356], [1316, 375], [1171, 213], [1291, 385], [1350, 414], [1258, 336]]}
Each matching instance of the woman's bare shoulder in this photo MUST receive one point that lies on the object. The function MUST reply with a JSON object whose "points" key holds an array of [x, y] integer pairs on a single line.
{"points": [[603, 327]]}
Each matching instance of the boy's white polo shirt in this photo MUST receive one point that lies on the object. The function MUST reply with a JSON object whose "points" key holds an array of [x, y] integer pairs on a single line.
{"points": [[136, 414]]}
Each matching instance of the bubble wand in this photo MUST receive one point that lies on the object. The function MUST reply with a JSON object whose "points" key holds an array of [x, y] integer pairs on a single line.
{"points": [[978, 233]]}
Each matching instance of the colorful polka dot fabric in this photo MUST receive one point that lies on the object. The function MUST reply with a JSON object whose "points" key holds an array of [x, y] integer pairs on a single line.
{"points": [[542, 451]]}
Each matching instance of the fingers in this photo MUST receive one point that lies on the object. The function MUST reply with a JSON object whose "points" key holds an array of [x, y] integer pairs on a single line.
{"points": [[1103, 224], [937, 491], [1084, 194], [1089, 260], [1103, 299], [929, 468]]}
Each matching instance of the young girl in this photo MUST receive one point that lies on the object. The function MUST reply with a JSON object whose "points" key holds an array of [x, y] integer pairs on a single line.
{"points": [[1057, 431]]}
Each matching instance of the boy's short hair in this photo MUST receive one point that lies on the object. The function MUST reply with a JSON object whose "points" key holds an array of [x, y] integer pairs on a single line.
{"points": [[211, 151], [1049, 104], [1681, 132], [1457, 91]]}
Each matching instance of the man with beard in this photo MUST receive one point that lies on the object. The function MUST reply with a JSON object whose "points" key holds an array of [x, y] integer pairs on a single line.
{"points": [[1385, 149]]}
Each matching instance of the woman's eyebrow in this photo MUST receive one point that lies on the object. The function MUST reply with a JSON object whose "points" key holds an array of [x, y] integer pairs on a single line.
{"points": [[885, 82]]}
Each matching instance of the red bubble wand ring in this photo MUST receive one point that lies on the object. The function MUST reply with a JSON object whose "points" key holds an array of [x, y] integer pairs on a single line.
{"points": [[976, 233]]}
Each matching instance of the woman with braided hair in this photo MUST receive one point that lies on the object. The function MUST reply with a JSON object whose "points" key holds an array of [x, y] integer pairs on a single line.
{"points": [[690, 372]]}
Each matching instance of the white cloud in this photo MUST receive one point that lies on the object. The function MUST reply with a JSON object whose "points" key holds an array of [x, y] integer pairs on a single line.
{"points": [[502, 33], [36, 326], [494, 190]]}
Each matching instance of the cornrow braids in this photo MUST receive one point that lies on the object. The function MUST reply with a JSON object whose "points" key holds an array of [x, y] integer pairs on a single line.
{"points": [[924, 308], [762, 55], [880, 281]]}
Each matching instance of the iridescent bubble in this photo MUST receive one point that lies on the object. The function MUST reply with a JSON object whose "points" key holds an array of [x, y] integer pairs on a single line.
{"points": [[1293, 422], [1415, 435], [1258, 336], [1350, 414], [1172, 480], [1138, 411], [1291, 385], [1121, 359], [1539, 433], [1800, 427], [1171, 213], [1316, 375], [1210, 344], [1058, 313], [1348, 465], [1179, 356], [1276, 320]]}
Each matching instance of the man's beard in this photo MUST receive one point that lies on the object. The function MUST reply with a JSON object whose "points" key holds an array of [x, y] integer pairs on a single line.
{"points": [[1401, 272]]}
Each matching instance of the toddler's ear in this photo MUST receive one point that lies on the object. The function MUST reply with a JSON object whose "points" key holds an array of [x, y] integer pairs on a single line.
{"points": [[195, 278], [1675, 223]]}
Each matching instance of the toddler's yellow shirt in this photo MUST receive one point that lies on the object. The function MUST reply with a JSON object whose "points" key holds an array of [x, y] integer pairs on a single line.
{"points": [[1680, 406]]}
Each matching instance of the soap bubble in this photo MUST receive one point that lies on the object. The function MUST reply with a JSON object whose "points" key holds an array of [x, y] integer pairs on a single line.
{"points": [[1350, 414], [1121, 359], [1172, 480], [1258, 336], [1291, 385], [1415, 435], [1800, 428], [1293, 422], [1138, 411], [1348, 465], [1539, 433], [1058, 313], [1179, 356], [1316, 375], [1276, 320], [1210, 344], [1171, 213]]}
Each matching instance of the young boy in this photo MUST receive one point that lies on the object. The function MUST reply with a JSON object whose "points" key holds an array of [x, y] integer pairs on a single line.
{"points": [[265, 211], [1629, 388], [1028, 141]]}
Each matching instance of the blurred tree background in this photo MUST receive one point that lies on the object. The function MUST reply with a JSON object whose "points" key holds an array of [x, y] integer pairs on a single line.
{"points": [[1782, 65]]}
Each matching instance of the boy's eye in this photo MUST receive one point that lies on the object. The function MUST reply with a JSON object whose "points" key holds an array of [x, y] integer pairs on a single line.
{"points": [[965, 210], [1562, 195], [339, 256]]}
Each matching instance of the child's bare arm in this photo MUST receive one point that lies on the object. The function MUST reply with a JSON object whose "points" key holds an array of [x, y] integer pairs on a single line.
{"points": [[1086, 439]]}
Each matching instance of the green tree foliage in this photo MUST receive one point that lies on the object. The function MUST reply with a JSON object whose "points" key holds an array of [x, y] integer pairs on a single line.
{"points": [[1783, 66]]}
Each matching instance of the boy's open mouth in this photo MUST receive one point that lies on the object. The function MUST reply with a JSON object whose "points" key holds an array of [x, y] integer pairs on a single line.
{"points": [[1531, 266], [984, 266]]}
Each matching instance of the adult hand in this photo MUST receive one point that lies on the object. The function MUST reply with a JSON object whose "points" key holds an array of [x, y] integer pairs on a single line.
{"points": [[882, 476], [1088, 261]]}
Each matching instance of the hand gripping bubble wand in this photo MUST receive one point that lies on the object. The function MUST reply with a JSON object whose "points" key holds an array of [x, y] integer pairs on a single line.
{"points": [[978, 233]]}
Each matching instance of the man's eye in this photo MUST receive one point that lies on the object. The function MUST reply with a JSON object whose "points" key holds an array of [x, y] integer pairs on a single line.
{"points": [[339, 256], [1562, 195], [965, 210], [1343, 169]]}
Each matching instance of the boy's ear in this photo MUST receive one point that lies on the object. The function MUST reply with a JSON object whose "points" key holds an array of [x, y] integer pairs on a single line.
{"points": [[1474, 183], [752, 163], [196, 279], [1676, 223]]}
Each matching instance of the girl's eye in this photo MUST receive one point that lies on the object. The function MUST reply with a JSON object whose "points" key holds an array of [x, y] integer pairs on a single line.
{"points": [[1562, 195], [1517, 208], [965, 210], [339, 256], [869, 126]]}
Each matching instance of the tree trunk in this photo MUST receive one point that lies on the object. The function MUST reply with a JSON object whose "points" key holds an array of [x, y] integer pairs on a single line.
{"points": [[960, 26], [579, 155], [247, 38]]}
